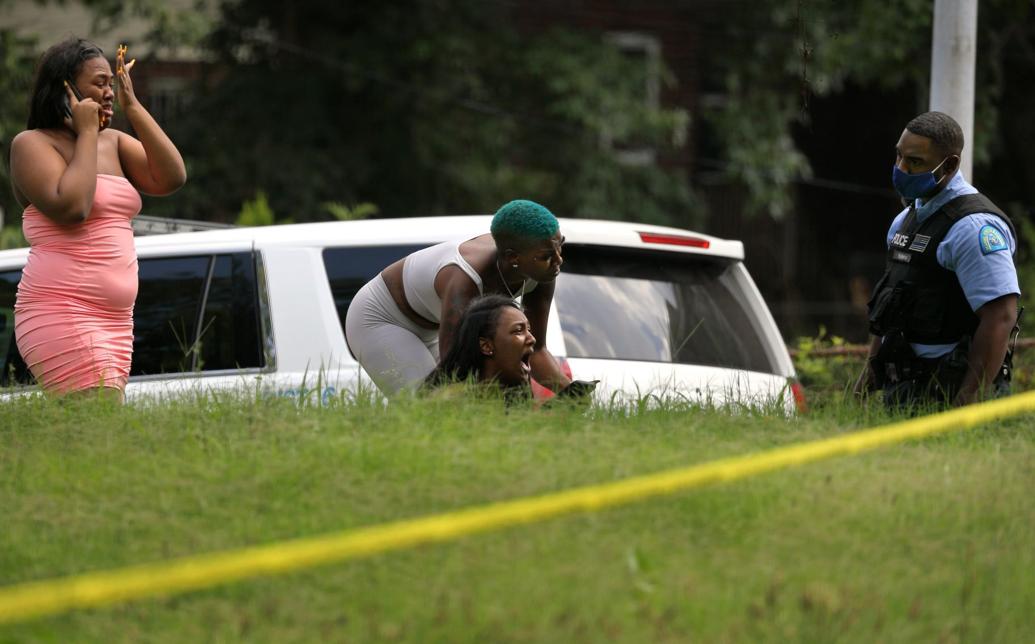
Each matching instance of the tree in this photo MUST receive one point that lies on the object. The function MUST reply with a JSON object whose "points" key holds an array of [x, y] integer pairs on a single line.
{"points": [[794, 51], [16, 67], [420, 107]]}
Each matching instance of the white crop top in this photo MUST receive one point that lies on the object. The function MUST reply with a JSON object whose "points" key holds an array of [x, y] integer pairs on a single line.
{"points": [[420, 270]]}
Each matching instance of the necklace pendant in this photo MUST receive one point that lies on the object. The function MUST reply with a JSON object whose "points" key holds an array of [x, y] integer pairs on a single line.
{"points": [[503, 280]]}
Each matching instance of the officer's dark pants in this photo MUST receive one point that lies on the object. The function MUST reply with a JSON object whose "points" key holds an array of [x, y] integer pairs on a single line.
{"points": [[933, 383]]}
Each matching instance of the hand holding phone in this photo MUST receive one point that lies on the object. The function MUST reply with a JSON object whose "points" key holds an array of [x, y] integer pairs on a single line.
{"points": [[80, 112], [579, 389], [75, 92]]}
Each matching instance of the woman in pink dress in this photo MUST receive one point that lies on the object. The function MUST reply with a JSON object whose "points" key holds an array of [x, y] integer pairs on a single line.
{"points": [[80, 181]]}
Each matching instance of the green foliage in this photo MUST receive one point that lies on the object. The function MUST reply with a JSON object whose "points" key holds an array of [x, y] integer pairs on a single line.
{"points": [[1024, 367], [12, 237], [1025, 262], [761, 153], [796, 50], [342, 212], [256, 212], [422, 108], [823, 371], [17, 60], [1024, 360], [799, 49], [172, 27]]}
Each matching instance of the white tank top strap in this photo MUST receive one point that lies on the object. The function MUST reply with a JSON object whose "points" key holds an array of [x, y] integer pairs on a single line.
{"points": [[529, 286], [459, 260]]}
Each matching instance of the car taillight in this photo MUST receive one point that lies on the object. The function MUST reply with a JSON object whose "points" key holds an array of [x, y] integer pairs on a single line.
{"points": [[798, 391], [674, 240], [540, 392]]}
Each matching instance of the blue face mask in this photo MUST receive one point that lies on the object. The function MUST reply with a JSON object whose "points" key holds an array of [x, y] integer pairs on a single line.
{"points": [[914, 186]]}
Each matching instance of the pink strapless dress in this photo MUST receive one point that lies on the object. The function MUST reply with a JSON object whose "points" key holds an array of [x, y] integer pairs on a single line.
{"points": [[73, 318]]}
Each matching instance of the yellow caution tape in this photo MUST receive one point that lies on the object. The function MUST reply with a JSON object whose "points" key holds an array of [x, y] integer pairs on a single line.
{"points": [[34, 599]]}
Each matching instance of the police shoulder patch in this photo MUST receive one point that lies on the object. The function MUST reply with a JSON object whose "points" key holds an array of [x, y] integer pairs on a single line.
{"points": [[991, 239]]}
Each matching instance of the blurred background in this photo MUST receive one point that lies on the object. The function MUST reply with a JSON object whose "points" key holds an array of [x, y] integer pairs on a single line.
{"points": [[771, 121]]}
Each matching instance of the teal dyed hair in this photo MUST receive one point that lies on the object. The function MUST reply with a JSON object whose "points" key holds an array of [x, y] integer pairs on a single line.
{"points": [[523, 219]]}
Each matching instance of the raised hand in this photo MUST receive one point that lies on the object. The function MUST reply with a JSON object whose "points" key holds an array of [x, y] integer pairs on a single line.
{"points": [[124, 90], [151, 162]]}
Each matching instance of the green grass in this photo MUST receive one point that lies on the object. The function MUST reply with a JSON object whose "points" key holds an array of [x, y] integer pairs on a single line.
{"points": [[931, 541]]}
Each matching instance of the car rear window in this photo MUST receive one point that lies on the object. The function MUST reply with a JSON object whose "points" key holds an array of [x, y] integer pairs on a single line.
{"points": [[660, 307]]}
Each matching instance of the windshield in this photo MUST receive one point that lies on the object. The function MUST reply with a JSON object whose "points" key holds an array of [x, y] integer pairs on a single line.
{"points": [[660, 307]]}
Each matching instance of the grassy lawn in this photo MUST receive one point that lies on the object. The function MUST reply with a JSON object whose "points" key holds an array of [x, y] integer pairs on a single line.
{"points": [[932, 541]]}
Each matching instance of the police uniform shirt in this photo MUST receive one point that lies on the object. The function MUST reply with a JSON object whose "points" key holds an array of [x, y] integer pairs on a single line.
{"points": [[978, 248]]}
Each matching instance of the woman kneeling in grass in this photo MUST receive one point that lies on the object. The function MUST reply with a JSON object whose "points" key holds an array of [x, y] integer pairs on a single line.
{"points": [[492, 344]]}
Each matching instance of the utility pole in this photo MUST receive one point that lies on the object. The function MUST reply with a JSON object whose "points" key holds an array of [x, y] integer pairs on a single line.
{"points": [[953, 58]]}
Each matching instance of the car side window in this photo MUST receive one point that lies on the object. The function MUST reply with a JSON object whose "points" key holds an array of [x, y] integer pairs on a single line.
{"points": [[175, 293], [12, 368], [165, 317], [231, 335], [197, 314], [349, 268]]}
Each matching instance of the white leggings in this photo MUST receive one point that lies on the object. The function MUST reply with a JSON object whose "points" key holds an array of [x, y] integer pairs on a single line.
{"points": [[395, 352]]}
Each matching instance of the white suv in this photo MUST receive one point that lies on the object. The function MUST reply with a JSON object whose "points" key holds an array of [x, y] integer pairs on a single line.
{"points": [[645, 309]]}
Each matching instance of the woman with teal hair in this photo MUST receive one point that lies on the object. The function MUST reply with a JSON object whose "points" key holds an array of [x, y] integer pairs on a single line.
{"points": [[401, 321]]}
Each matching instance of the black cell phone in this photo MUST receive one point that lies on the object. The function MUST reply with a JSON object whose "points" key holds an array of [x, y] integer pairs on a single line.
{"points": [[578, 389], [64, 99]]}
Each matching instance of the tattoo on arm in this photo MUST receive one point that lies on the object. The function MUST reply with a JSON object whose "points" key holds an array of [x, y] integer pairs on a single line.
{"points": [[452, 312]]}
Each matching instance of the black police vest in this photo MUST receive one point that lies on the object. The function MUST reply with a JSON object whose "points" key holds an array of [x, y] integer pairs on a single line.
{"points": [[916, 295]]}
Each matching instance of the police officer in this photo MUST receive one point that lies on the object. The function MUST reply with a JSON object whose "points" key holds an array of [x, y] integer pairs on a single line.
{"points": [[943, 312]]}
